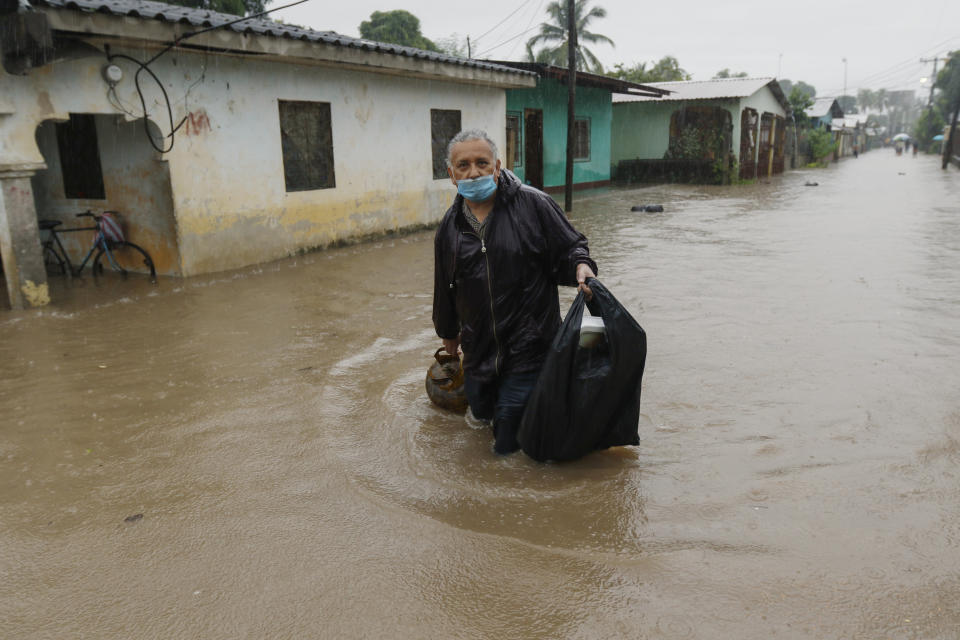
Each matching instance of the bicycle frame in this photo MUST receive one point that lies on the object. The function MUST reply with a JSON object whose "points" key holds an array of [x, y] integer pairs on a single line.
{"points": [[97, 241]]}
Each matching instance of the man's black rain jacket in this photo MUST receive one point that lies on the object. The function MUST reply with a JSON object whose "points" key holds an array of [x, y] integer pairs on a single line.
{"points": [[498, 293]]}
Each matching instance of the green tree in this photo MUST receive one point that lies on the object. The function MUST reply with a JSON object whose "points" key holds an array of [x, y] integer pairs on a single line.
{"points": [[233, 7], [553, 35], [847, 103], [788, 86], [881, 100], [666, 69], [395, 27], [726, 73], [634, 73], [453, 45], [929, 124], [799, 103], [948, 81], [866, 99], [821, 144]]}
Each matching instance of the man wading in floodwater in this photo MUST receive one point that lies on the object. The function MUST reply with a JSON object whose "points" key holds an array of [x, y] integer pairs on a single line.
{"points": [[500, 252]]}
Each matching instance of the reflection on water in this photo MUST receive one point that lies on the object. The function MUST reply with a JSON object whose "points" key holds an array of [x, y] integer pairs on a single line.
{"points": [[797, 472]]}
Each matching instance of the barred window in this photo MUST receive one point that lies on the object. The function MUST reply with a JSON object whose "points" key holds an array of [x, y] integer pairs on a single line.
{"points": [[581, 139], [80, 158], [444, 125], [514, 138], [306, 137]]}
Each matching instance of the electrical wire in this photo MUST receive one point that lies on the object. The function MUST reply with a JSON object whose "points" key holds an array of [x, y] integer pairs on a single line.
{"points": [[533, 16], [487, 32], [497, 46], [145, 66], [899, 68]]}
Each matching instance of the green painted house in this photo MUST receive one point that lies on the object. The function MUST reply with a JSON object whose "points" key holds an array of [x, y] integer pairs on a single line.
{"points": [[704, 128], [536, 148]]}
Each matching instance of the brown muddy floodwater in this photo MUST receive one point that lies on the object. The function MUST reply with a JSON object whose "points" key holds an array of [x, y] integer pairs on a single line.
{"points": [[798, 476]]}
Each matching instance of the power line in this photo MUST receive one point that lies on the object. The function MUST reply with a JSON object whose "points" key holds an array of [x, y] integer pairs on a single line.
{"points": [[497, 46], [873, 77], [533, 16], [487, 32]]}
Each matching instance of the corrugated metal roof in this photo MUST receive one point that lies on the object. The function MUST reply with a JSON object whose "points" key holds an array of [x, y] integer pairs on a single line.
{"points": [[201, 18], [615, 85], [820, 107], [703, 89]]}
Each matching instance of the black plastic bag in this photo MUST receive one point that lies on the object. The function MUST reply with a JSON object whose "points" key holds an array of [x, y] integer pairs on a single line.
{"points": [[587, 398]]}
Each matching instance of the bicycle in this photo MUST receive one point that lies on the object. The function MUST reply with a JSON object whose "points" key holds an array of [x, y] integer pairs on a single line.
{"points": [[54, 255], [108, 241]]}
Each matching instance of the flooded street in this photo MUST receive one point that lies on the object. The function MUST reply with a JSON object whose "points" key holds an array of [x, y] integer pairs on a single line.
{"points": [[252, 454]]}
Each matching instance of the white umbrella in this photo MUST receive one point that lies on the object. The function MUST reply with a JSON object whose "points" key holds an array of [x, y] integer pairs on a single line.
{"points": [[901, 136]]}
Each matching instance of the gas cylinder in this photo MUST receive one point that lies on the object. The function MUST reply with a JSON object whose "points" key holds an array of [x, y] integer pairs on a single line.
{"points": [[445, 382]]}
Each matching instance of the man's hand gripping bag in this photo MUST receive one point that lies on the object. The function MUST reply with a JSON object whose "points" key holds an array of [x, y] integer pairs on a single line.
{"points": [[587, 398]]}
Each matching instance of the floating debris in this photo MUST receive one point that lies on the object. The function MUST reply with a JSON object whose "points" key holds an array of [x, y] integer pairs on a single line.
{"points": [[649, 208], [811, 184], [134, 518]]}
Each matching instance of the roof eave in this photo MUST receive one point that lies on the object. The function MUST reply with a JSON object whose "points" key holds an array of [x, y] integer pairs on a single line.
{"points": [[157, 34], [614, 85]]}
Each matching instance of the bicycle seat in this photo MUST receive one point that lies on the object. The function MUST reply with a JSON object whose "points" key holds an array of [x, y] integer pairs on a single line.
{"points": [[49, 224]]}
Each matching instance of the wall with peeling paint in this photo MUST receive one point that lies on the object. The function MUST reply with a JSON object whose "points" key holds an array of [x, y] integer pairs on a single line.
{"points": [[551, 97], [136, 184], [228, 206], [227, 174], [642, 129]]}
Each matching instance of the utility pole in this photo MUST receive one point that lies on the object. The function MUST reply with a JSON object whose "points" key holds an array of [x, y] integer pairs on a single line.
{"points": [[933, 78], [948, 148], [571, 100], [469, 53], [843, 98]]}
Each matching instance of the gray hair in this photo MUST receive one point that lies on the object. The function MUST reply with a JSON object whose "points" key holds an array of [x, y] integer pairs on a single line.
{"points": [[465, 136]]}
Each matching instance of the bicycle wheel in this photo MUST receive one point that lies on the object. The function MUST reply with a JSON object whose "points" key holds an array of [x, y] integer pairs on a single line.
{"points": [[52, 261], [128, 258]]}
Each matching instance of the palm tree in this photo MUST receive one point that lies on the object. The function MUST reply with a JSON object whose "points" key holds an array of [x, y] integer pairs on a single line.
{"points": [[554, 36], [881, 99]]}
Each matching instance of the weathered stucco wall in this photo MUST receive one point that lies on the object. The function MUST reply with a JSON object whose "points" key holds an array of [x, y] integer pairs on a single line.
{"points": [[136, 184], [642, 129], [229, 200], [551, 97], [227, 168]]}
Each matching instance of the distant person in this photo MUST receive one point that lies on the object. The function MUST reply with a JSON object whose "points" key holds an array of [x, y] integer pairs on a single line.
{"points": [[898, 145], [500, 252], [916, 149], [856, 153]]}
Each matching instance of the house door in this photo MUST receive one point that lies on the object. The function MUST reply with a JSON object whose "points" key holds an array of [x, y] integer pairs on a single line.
{"points": [[533, 147], [748, 144], [766, 145]]}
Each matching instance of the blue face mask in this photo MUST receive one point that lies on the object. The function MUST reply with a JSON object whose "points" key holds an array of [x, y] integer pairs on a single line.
{"points": [[478, 189]]}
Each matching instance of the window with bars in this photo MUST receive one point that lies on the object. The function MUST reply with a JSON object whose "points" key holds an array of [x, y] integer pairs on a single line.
{"points": [[306, 136], [80, 158], [581, 139], [514, 139], [444, 125]]}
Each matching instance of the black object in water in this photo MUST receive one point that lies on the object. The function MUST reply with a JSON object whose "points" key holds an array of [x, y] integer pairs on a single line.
{"points": [[587, 398]]}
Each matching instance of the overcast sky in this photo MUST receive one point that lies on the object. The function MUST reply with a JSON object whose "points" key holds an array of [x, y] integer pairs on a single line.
{"points": [[882, 41]]}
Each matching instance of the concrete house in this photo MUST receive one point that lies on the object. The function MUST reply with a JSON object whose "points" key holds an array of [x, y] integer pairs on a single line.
{"points": [[702, 128], [537, 126], [822, 113], [261, 140]]}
